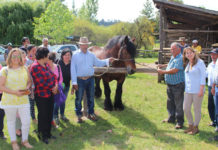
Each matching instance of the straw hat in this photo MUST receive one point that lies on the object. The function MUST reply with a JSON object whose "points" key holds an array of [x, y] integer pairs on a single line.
{"points": [[181, 39], [84, 41]]}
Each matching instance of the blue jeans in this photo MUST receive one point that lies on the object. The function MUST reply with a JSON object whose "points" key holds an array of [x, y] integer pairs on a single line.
{"points": [[211, 105], [62, 106], [88, 86], [216, 104]]}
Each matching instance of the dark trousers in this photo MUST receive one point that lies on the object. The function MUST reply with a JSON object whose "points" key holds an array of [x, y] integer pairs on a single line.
{"points": [[175, 100], [45, 113], [211, 105], [2, 115]]}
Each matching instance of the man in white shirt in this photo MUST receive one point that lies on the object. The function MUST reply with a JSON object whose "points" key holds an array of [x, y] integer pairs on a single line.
{"points": [[210, 72], [82, 76], [45, 44]]}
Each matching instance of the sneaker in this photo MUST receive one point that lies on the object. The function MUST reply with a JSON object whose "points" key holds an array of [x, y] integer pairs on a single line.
{"points": [[178, 126], [168, 121], [64, 119], [92, 117], [54, 124]]}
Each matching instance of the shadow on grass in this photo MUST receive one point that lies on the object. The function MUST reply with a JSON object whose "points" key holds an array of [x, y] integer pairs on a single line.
{"points": [[136, 121]]}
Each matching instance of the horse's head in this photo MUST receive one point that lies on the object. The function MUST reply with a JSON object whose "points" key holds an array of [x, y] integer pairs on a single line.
{"points": [[127, 54]]}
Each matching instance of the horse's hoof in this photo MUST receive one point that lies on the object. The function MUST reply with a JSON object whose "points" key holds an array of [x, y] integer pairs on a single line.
{"points": [[108, 109], [119, 108]]}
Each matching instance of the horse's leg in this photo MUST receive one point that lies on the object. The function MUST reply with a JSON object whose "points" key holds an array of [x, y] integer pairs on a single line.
{"points": [[118, 105], [107, 102], [98, 91]]}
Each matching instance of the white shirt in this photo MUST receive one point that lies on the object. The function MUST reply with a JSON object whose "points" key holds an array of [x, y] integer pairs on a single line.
{"points": [[195, 77], [82, 64], [210, 72], [48, 47]]}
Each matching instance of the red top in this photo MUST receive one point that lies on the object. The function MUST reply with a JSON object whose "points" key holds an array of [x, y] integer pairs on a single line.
{"points": [[43, 78]]}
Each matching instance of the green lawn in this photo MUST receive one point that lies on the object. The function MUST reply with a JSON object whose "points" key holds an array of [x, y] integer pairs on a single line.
{"points": [[138, 127], [146, 60]]}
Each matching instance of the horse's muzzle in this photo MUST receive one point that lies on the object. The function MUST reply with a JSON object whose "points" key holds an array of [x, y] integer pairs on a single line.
{"points": [[130, 70]]}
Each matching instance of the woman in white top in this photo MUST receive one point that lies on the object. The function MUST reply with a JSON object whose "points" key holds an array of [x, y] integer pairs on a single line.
{"points": [[15, 83], [195, 74]]}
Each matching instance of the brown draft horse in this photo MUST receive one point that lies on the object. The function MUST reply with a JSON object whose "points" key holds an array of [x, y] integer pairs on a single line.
{"points": [[123, 49]]}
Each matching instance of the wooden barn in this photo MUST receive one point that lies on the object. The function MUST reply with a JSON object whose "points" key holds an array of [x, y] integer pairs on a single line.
{"points": [[180, 20]]}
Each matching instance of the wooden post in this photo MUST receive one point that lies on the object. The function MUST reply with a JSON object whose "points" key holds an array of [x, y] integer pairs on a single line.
{"points": [[160, 55], [85, 106]]}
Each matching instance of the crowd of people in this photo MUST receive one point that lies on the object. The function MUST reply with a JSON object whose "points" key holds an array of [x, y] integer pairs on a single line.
{"points": [[33, 75], [185, 76]]}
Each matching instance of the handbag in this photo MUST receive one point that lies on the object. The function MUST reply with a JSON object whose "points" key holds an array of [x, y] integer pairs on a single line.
{"points": [[60, 97]]}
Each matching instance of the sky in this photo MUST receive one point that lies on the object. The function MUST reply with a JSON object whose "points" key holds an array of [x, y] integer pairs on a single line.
{"points": [[129, 10]]}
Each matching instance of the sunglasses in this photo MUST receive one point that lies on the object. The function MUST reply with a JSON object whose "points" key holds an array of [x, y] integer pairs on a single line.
{"points": [[16, 56]]}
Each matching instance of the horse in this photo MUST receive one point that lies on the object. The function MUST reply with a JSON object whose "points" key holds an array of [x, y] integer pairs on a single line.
{"points": [[123, 50]]}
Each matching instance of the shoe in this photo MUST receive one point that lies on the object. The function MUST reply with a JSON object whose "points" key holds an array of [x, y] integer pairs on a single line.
{"points": [[54, 124], [178, 126], [216, 130], [190, 128], [79, 120], [57, 121], [92, 117], [2, 136], [168, 121], [18, 133], [27, 145], [194, 131], [15, 146], [64, 119], [45, 140]]}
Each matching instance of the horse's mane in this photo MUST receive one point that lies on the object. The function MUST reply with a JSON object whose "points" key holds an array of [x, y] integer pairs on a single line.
{"points": [[119, 40]]}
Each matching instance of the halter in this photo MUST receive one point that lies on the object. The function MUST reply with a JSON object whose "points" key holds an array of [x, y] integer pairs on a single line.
{"points": [[120, 54]]}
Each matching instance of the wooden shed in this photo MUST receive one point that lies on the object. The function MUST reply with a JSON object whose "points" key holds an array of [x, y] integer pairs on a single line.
{"points": [[180, 20]]}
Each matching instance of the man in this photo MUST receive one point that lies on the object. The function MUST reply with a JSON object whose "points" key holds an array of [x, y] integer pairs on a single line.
{"points": [[25, 42], [183, 44], [7, 50], [214, 91], [210, 71], [82, 72], [174, 77], [196, 47], [45, 44]]}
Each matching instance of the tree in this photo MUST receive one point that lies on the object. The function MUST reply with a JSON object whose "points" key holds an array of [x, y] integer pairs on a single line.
{"points": [[47, 2], [148, 10], [55, 23], [16, 20], [89, 10]]}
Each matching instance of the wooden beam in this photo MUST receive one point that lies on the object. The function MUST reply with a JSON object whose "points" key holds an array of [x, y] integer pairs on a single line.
{"points": [[103, 70], [190, 31]]}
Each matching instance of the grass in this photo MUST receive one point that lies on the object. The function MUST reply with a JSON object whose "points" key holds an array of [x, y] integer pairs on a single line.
{"points": [[146, 60], [138, 127]]}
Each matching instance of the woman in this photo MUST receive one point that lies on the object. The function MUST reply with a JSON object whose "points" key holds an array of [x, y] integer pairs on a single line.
{"points": [[2, 115], [15, 83], [57, 71], [45, 87], [64, 63], [195, 73]]}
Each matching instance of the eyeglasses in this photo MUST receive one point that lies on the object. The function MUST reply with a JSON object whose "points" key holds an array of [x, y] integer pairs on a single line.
{"points": [[16, 56]]}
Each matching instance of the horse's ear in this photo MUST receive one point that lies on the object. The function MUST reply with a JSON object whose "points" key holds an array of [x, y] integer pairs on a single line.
{"points": [[126, 39]]}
